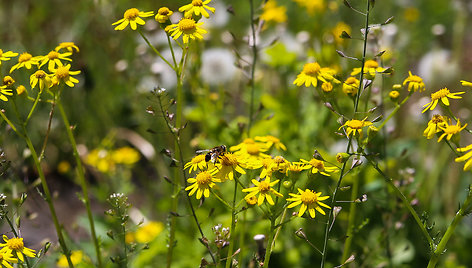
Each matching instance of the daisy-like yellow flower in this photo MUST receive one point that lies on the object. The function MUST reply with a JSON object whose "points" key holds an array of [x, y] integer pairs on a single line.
{"points": [[355, 126], [312, 72], [125, 155], [197, 7], [63, 73], [149, 231], [351, 86], [338, 30], [5, 56], [53, 59], [17, 246], [42, 78], [414, 82], [8, 81], [163, 14], [435, 125], [272, 12], [450, 130], [242, 144], [264, 189], [441, 95], [309, 200], [251, 200], [229, 163], [4, 92], [25, 60], [6, 257], [132, 17], [318, 166], [188, 28], [371, 67], [76, 256], [312, 6], [197, 162], [271, 141], [253, 155], [327, 87], [266, 165], [467, 156], [394, 94], [296, 167], [202, 183], [466, 83], [69, 46]]}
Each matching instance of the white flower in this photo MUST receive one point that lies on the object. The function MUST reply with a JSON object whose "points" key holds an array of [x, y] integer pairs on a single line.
{"points": [[217, 66]]}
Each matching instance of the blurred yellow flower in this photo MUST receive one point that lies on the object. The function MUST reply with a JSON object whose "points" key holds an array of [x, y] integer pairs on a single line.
{"points": [[69, 46], [435, 125], [197, 162], [63, 167], [20, 90], [202, 183], [355, 126], [4, 91], [149, 231], [42, 78], [272, 12], [163, 14], [450, 130], [312, 72], [76, 256], [411, 14], [132, 17], [125, 155], [25, 60], [338, 30], [100, 159], [318, 166], [351, 86], [466, 156], [17, 246], [197, 7], [312, 6], [371, 67], [309, 200], [6, 257], [327, 87], [5, 56], [188, 28], [229, 163], [8, 80], [441, 95], [414, 82], [466, 83], [264, 189], [271, 141], [63, 73], [243, 144]]}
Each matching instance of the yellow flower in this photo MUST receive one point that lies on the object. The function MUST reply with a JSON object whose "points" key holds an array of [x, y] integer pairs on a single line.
{"points": [[312, 72], [8, 81], [16, 245], [371, 67], [351, 86], [394, 94], [327, 87], [450, 130], [251, 200], [25, 60], [132, 17], [318, 166], [229, 163], [466, 83], [188, 28], [62, 73], [271, 141], [272, 12], [4, 91], [242, 144], [6, 258], [197, 7], [310, 200], [100, 159], [468, 156], [414, 82], [125, 155], [69, 46], [355, 126], [197, 162], [20, 90], [443, 95], [202, 183], [163, 14], [311, 6], [5, 56], [264, 189], [149, 231], [296, 167], [76, 256], [42, 78], [435, 125], [338, 30], [54, 58], [279, 164], [253, 155]]}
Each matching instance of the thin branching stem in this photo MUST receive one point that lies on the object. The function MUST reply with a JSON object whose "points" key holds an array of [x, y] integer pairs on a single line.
{"points": [[253, 67], [229, 258]]}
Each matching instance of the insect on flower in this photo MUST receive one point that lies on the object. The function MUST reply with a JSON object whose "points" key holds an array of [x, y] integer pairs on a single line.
{"points": [[214, 153]]}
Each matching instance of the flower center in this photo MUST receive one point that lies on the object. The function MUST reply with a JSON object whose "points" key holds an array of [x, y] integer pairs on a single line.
{"points": [[15, 244], [197, 3], [266, 162], [308, 197], [264, 187], [53, 55], [440, 94], [317, 164], [187, 25], [437, 119], [197, 159], [279, 160], [453, 129], [351, 80], [371, 64], [311, 68], [229, 160], [24, 57], [203, 178], [355, 124], [62, 72], [131, 13], [415, 79], [252, 149], [40, 74], [163, 11]]}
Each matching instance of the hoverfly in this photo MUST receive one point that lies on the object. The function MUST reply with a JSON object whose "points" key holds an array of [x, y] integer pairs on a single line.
{"points": [[214, 153]]}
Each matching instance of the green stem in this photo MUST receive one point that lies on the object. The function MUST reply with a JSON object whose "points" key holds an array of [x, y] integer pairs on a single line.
{"points": [[32, 108], [82, 181], [253, 67], [352, 219], [156, 51], [395, 111], [463, 211], [270, 243], [229, 258]]}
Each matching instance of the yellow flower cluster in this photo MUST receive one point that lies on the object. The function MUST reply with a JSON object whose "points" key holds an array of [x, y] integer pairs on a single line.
{"points": [[13, 250], [252, 154], [106, 160]]}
